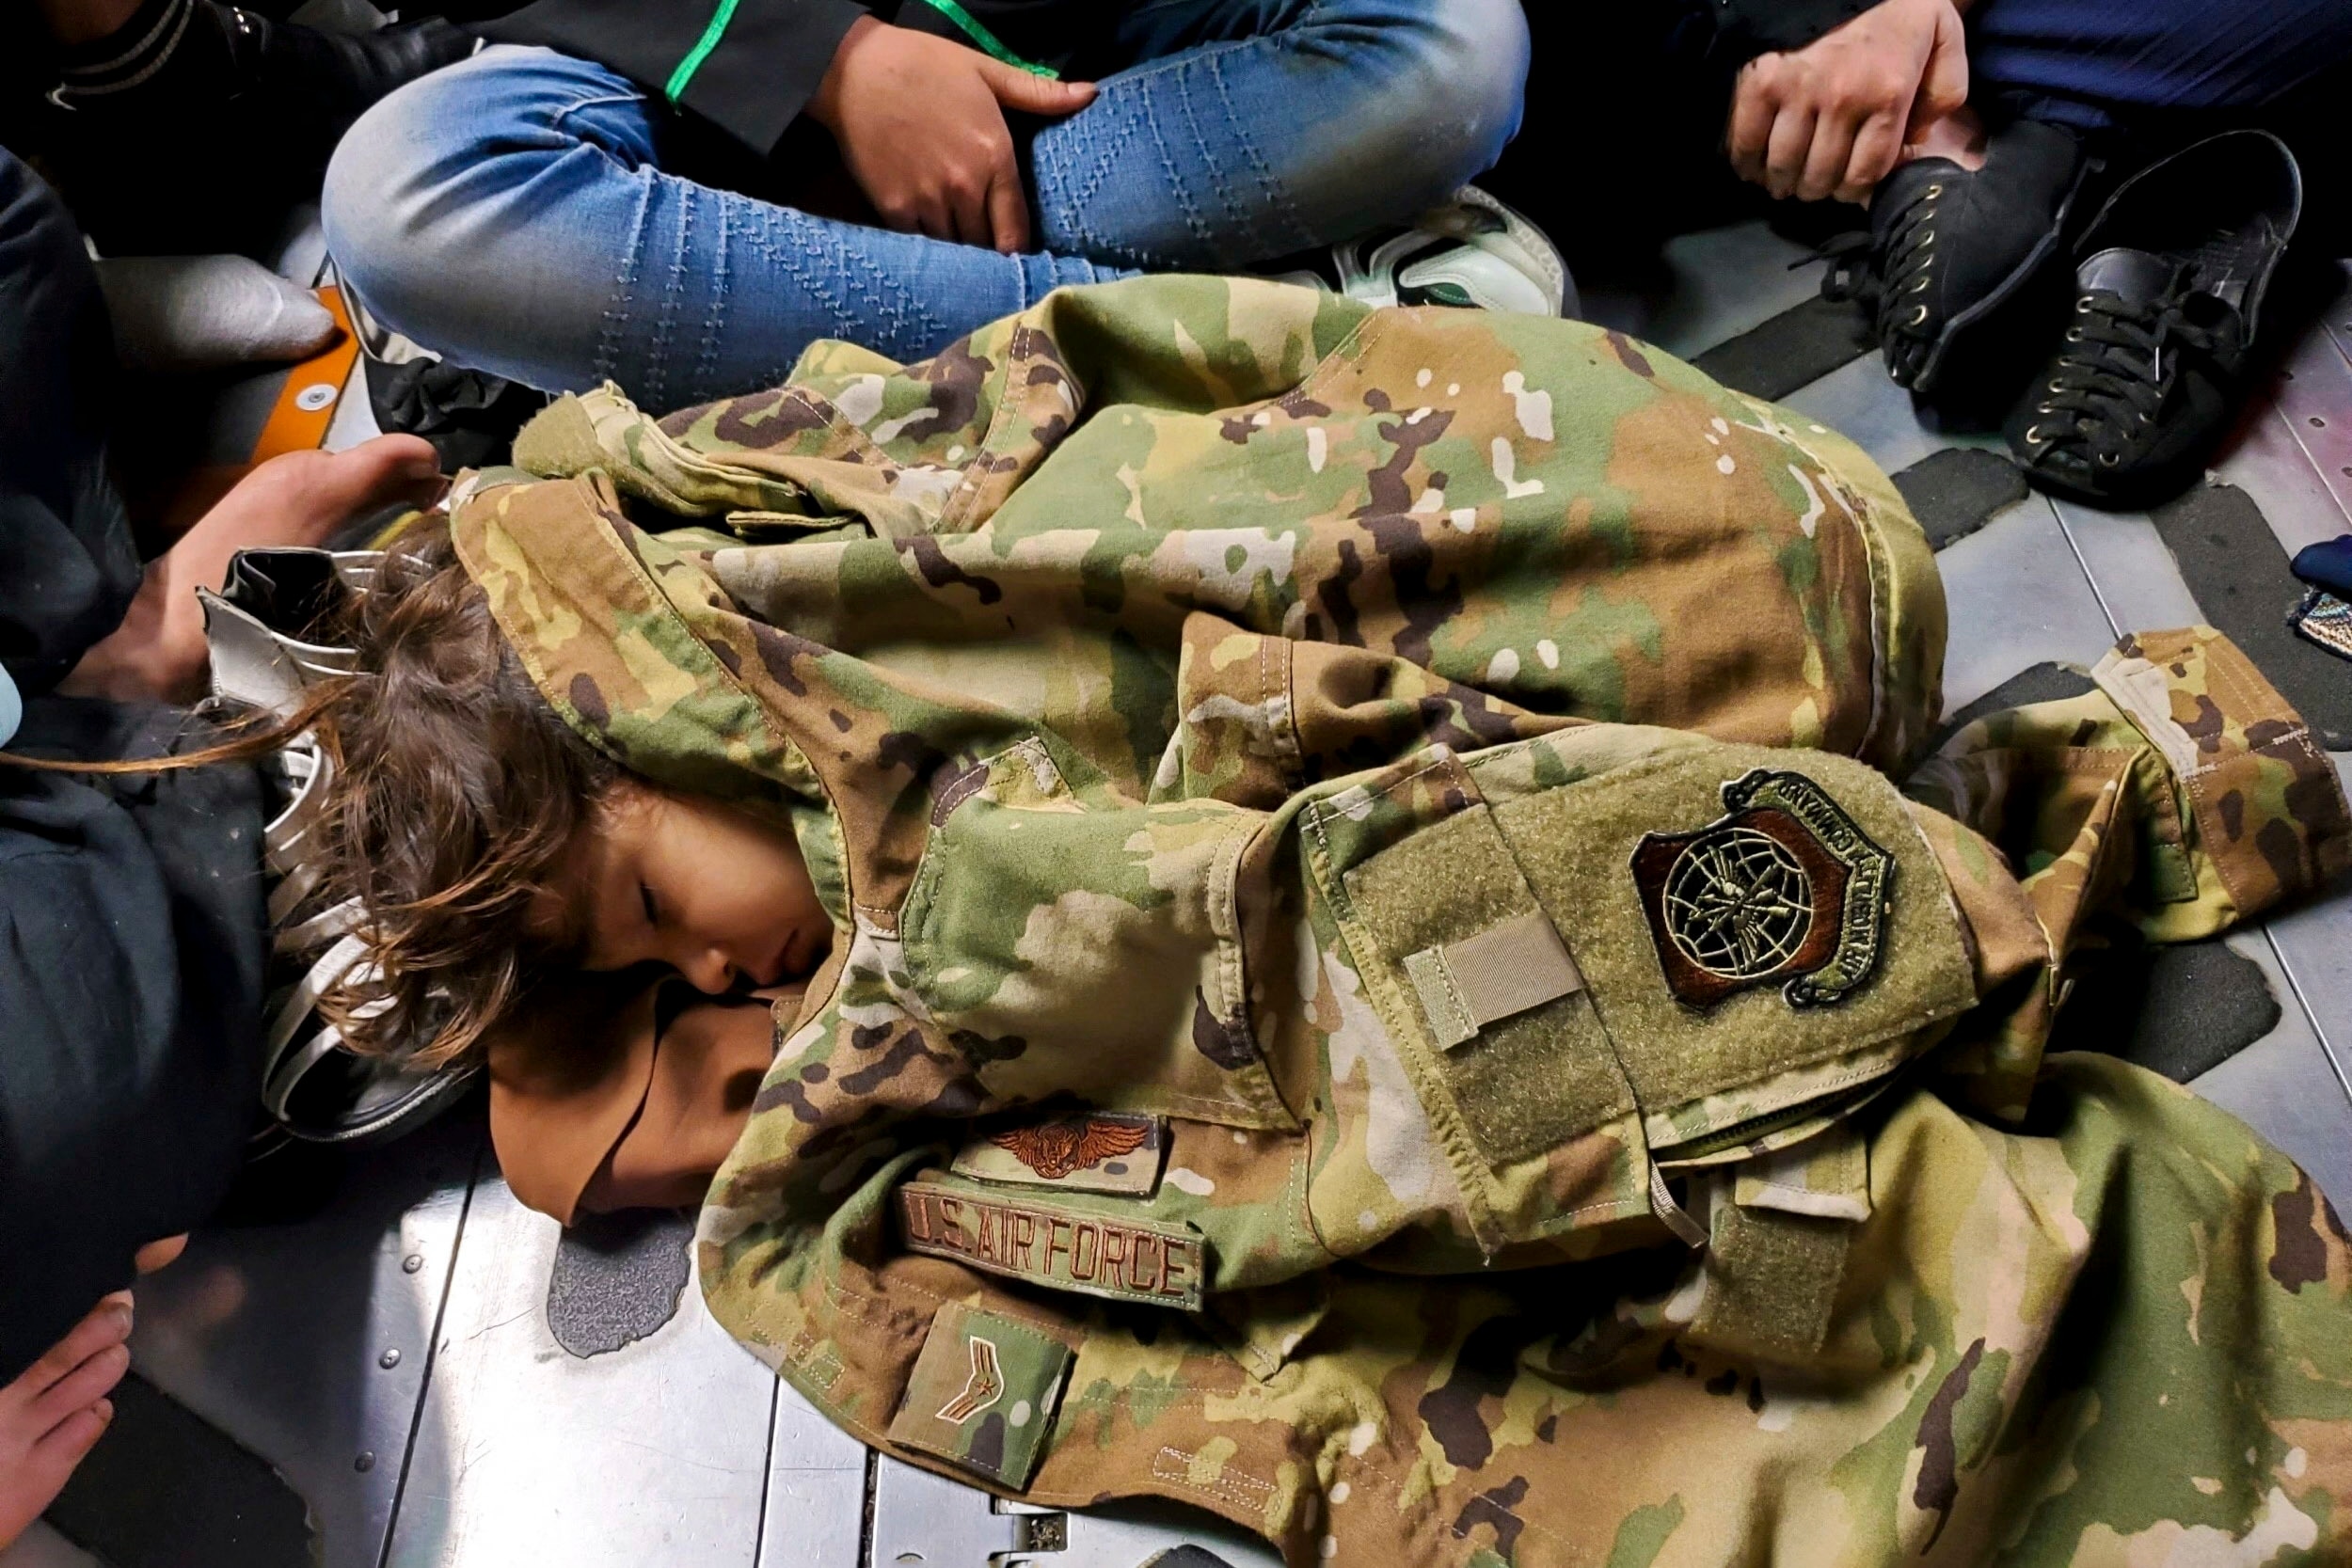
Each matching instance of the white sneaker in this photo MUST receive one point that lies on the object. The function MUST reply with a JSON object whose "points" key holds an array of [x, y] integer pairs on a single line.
{"points": [[1472, 252]]}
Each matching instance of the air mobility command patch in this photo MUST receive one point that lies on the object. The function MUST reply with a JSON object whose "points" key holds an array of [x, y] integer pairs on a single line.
{"points": [[1056, 1245], [1785, 889], [1102, 1151], [983, 1393]]}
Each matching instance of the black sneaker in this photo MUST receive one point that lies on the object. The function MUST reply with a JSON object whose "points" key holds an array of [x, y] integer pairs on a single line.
{"points": [[1949, 246], [2170, 293]]}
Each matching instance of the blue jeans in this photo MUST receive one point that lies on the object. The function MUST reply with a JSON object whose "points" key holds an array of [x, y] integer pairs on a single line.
{"points": [[511, 211]]}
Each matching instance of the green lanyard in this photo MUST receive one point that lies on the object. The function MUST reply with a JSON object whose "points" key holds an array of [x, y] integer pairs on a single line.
{"points": [[988, 42]]}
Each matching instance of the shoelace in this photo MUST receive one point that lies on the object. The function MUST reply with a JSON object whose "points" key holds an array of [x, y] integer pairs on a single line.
{"points": [[2111, 379], [1889, 275]]}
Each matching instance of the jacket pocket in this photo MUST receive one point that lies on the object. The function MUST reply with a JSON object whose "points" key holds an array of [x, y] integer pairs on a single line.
{"points": [[1087, 946]]}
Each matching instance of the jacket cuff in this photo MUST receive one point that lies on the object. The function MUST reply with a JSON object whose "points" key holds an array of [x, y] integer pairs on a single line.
{"points": [[766, 66], [1746, 28]]}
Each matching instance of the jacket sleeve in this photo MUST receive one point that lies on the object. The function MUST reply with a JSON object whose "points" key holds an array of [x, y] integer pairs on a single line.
{"points": [[1746, 28], [747, 66]]}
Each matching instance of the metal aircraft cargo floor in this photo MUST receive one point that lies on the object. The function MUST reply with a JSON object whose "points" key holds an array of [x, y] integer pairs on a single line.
{"points": [[394, 1356]]}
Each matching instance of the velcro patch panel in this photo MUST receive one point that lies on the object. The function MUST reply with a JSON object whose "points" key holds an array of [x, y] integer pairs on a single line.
{"points": [[1063, 1249]]}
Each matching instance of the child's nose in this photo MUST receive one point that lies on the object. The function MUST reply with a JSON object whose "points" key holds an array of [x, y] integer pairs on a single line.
{"points": [[709, 971]]}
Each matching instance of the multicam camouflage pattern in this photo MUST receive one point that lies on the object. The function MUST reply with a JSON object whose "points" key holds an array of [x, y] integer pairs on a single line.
{"points": [[1150, 676]]}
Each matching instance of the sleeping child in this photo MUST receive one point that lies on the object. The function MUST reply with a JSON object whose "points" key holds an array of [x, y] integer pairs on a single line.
{"points": [[1350, 951]]}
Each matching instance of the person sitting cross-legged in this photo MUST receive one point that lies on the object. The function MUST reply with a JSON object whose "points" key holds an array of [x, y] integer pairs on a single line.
{"points": [[599, 209]]}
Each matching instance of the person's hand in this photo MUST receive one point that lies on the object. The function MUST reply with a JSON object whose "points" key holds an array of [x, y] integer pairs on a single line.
{"points": [[56, 1410], [1833, 118], [921, 126]]}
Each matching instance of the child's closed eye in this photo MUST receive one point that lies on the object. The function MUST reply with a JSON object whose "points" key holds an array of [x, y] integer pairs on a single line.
{"points": [[653, 909]]}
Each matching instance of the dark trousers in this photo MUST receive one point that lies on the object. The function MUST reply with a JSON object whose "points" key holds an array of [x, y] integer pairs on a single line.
{"points": [[131, 927]]}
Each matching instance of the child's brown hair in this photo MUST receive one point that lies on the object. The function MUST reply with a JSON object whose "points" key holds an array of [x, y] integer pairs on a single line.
{"points": [[456, 793]]}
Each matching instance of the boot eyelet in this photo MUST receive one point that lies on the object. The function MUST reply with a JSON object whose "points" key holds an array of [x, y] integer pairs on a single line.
{"points": [[2082, 306], [2034, 436], [2073, 333], [2044, 408], [1934, 191], [1918, 317], [2109, 459]]}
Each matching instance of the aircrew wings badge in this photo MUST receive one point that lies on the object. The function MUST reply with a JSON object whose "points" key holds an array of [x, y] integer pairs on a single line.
{"points": [[1054, 1148], [1785, 889], [1097, 1151]]}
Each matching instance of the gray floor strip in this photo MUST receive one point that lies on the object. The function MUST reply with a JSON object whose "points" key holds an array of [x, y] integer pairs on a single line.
{"points": [[2234, 565], [1794, 349], [1957, 491], [167, 1489], [2182, 1011]]}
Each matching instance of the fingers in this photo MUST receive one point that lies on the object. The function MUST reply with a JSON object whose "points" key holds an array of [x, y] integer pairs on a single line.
{"points": [[1877, 147], [66, 1445], [1785, 152], [1009, 212], [1032, 94], [107, 1324], [1944, 85], [82, 1388], [1754, 104], [1825, 157]]}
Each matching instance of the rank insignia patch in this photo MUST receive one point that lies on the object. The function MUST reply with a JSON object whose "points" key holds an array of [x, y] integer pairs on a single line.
{"points": [[1102, 1151], [1785, 890], [983, 1393]]}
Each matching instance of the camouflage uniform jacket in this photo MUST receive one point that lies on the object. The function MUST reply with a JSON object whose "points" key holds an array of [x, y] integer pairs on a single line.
{"points": [[1383, 988]]}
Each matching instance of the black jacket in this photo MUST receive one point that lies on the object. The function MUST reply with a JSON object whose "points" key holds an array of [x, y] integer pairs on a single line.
{"points": [[748, 67]]}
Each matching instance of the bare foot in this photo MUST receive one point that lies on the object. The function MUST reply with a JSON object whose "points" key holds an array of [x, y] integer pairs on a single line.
{"points": [[300, 498], [55, 1413]]}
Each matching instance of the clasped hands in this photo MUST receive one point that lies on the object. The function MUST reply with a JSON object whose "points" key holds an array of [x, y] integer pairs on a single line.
{"points": [[1834, 118]]}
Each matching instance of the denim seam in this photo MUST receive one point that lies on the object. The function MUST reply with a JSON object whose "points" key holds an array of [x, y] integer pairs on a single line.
{"points": [[617, 312], [1071, 204], [714, 317], [657, 388], [555, 121], [1276, 197], [1184, 202]]}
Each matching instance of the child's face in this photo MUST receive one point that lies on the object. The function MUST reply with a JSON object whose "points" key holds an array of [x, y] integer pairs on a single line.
{"points": [[715, 893]]}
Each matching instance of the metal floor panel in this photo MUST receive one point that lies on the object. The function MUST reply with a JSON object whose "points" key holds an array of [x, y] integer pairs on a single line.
{"points": [[1860, 402], [1725, 281], [2284, 1086], [653, 1454], [815, 1512], [307, 1340], [2017, 596]]}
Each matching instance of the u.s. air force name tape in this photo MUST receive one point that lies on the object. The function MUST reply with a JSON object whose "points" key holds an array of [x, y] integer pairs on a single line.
{"points": [[1047, 1243]]}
